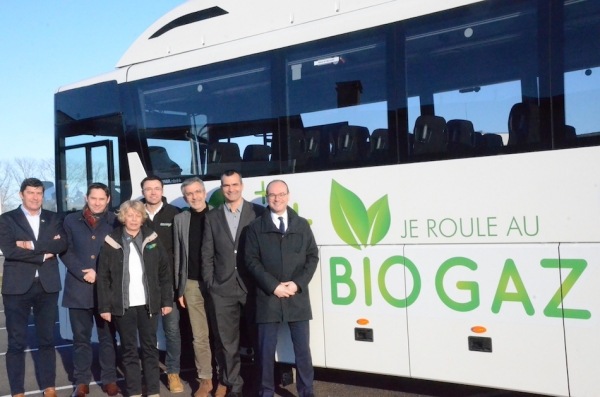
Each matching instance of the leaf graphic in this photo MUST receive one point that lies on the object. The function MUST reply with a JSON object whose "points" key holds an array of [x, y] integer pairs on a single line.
{"points": [[379, 219], [217, 198], [348, 216]]}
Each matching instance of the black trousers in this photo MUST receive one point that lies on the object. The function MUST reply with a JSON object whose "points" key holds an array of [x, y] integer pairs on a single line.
{"points": [[267, 343], [137, 321], [45, 312], [82, 324]]}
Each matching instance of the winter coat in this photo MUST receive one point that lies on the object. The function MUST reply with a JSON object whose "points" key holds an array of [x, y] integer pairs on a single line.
{"points": [[112, 289], [163, 225], [273, 258], [85, 243]]}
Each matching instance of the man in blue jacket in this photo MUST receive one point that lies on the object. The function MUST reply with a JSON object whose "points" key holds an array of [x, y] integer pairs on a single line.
{"points": [[282, 255], [86, 231], [30, 239]]}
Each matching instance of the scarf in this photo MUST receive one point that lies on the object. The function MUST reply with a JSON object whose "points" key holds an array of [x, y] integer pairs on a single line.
{"points": [[91, 218]]}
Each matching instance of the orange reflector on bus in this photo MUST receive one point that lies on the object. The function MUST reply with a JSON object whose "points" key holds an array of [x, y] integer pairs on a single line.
{"points": [[479, 329], [362, 321]]}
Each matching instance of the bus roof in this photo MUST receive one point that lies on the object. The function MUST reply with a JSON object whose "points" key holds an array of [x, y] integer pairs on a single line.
{"points": [[198, 24]]}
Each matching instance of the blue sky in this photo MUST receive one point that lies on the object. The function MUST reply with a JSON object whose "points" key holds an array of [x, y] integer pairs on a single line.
{"points": [[50, 43]]}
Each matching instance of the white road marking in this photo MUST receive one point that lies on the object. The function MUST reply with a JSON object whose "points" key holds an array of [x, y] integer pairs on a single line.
{"points": [[33, 350], [30, 325]]}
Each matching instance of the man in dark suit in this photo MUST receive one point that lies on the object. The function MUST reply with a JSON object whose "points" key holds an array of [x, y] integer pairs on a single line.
{"points": [[225, 274], [282, 255], [30, 239]]}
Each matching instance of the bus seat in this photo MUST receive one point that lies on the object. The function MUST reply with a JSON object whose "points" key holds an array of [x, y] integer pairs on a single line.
{"points": [[224, 152], [379, 145], [491, 141], [351, 144], [255, 160], [297, 147], [223, 156], [162, 165], [570, 133], [430, 135], [315, 157], [477, 140], [312, 141], [461, 135], [523, 124], [256, 153]]}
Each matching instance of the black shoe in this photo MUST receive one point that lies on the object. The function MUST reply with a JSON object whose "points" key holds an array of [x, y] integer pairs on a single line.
{"points": [[246, 355], [234, 394]]}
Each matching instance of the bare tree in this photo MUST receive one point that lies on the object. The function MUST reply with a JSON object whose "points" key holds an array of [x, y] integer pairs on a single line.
{"points": [[12, 173], [27, 167], [7, 191]]}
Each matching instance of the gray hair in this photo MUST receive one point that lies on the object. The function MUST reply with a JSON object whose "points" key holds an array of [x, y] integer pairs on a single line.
{"points": [[190, 181]]}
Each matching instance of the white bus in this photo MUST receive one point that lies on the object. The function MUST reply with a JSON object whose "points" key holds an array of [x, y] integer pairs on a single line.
{"points": [[445, 152]]}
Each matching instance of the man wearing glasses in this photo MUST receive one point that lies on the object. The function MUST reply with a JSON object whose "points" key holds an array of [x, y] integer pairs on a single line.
{"points": [[282, 255], [160, 219]]}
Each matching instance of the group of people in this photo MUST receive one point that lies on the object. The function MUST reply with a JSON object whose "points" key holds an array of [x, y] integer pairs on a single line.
{"points": [[240, 271]]}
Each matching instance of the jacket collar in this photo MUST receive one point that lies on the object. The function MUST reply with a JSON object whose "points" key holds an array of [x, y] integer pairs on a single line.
{"points": [[267, 224], [115, 236]]}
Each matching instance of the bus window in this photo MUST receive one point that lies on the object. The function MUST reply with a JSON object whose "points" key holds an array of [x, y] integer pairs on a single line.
{"points": [[89, 133], [195, 122], [337, 107], [475, 76], [485, 107], [582, 73], [89, 159]]}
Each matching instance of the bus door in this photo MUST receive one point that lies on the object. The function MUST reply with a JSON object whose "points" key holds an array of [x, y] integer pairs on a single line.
{"points": [[90, 142]]}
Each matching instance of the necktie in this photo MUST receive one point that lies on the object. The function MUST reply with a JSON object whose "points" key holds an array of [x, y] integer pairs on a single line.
{"points": [[281, 225]]}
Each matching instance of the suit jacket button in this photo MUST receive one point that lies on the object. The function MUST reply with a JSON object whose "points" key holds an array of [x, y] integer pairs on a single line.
{"points": [[93, 237], [93, 256], [235, 251]]}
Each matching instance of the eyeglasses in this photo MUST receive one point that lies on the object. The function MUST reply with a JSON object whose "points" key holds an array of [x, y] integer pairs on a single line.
{"points": [[191, 194], [273, 195]]}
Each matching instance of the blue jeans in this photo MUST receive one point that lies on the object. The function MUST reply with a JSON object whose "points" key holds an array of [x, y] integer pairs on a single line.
{"points": [[82, 323], [45, 311], [170, 324]]}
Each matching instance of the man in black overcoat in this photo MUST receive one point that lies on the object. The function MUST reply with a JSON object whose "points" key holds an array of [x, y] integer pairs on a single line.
{"points": [[282, 255]]}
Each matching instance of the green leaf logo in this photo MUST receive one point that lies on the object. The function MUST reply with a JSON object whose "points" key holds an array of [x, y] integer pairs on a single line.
{"points": [[217, 198], [353, 223]]}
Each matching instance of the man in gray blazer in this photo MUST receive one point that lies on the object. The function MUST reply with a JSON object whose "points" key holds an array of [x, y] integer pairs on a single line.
{"points": [[191, 290], [225, 274]]}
